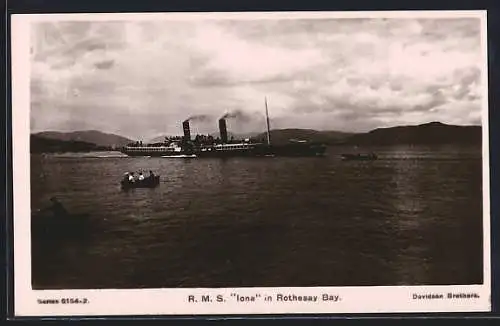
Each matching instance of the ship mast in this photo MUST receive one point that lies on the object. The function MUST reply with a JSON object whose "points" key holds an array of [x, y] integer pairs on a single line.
{"points": [[267, 122]]}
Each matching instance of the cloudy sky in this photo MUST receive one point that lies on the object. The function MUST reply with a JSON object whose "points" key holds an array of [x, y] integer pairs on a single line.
{"points": [[142, 78]]}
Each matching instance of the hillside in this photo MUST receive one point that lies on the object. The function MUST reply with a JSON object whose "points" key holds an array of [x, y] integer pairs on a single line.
{"points": [[236, 135], [433, 133], [157, 139], [89, 136], [425, 134], [40, 144]]}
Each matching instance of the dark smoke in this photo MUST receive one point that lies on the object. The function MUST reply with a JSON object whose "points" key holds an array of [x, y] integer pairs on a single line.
{"points": [[237, 114], [198, 117], [245, 121]]}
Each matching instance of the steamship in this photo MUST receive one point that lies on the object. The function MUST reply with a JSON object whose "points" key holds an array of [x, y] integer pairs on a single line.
{"points": [[224, 147]]}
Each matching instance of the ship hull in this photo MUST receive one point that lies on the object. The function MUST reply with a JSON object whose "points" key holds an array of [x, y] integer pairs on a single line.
{"points": [[231, 153], [268, 151], [155, 152], [258, 150], [146, 153]]}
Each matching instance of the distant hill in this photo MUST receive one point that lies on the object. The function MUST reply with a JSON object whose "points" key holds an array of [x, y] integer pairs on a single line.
{"points": [[281, 136], [424, 134], [39, 144], [433, 133], [89, 136]]}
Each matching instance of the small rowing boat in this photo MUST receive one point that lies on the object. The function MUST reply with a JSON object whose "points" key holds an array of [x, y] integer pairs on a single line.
{"points": [[148, 182]]}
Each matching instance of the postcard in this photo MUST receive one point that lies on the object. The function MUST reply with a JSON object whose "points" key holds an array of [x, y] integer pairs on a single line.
{"points": [[250, 163]]}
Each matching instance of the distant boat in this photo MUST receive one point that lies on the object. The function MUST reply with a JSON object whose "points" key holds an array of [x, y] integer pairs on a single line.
{"points": [[148, 182], [359, 157]]}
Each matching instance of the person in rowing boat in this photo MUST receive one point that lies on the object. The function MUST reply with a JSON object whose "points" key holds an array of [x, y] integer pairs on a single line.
{"points": [[141, 176], [126, 177], [151, 174], [131, 178]]}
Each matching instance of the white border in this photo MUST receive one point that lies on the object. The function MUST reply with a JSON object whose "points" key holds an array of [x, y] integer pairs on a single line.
{"points": [[174, 301]]}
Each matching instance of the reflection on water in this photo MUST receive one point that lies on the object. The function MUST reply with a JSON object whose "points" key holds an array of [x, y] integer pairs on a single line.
{"points": [[412, 217]]}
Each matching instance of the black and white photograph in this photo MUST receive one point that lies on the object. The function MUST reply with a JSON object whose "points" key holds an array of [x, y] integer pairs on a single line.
{"points": [[194, 163]]}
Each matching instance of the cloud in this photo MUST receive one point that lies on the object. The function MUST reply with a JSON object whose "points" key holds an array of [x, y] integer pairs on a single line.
{"points": [[143, 78], [245, 61], [104, 64]]}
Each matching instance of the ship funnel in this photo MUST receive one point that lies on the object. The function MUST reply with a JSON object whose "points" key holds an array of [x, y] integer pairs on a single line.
{"points": [[187, 131], [223, 130]]}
